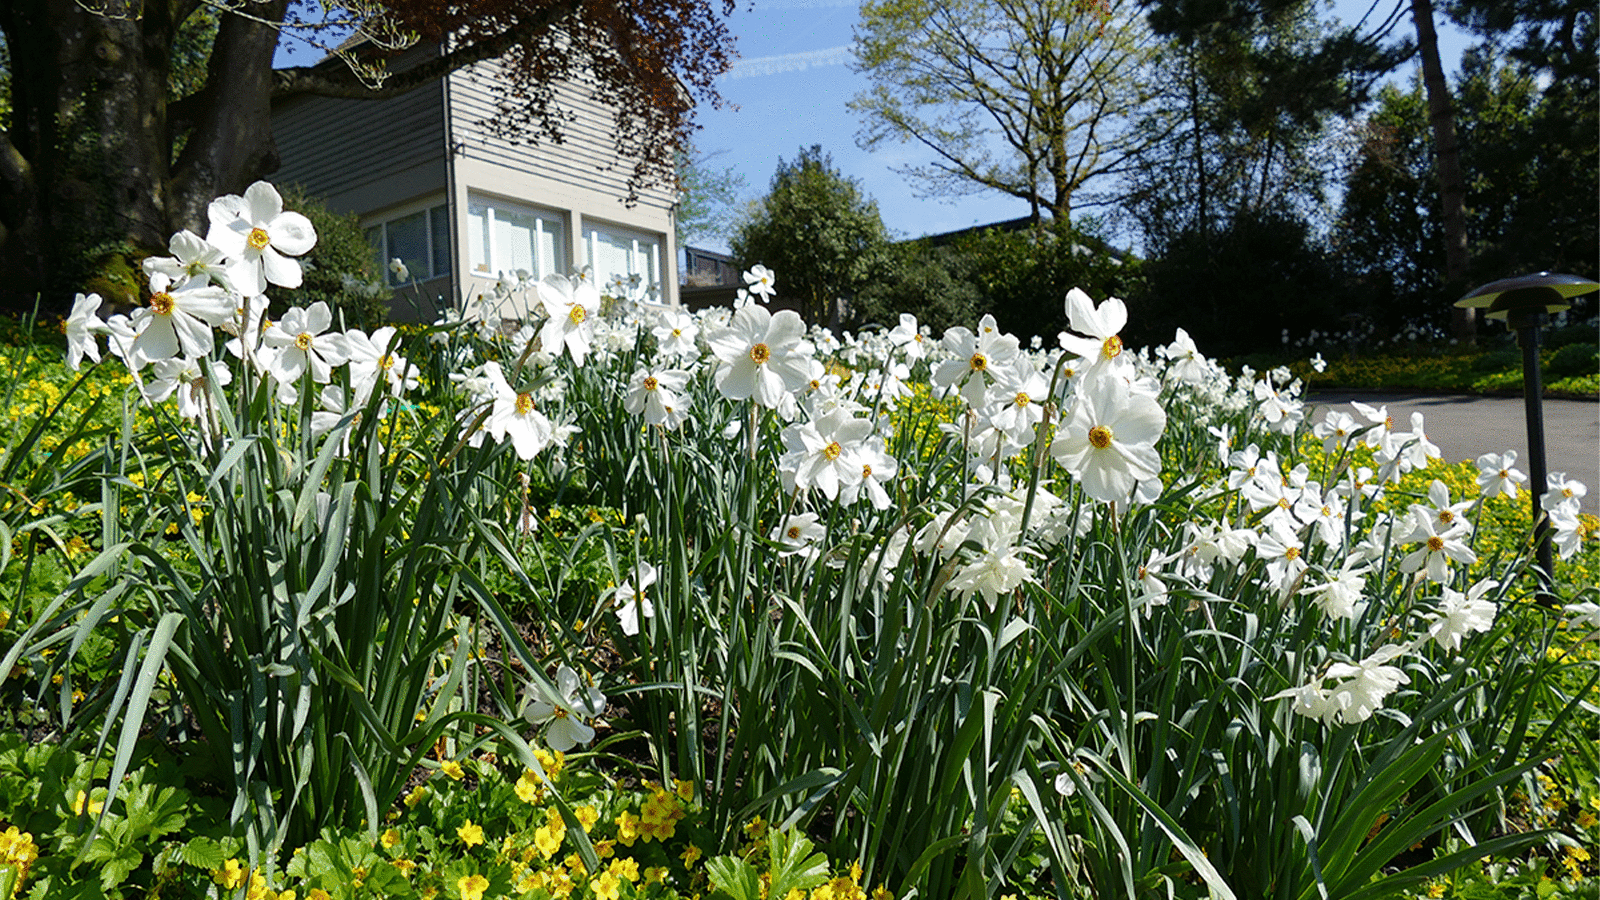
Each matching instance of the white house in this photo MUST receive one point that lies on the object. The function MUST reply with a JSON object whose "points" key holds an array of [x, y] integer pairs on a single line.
{"points": [[460, 206]]}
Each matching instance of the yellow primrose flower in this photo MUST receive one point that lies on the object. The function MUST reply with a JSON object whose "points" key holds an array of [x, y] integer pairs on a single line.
{"points": [[656, 875], [627, 828], [82, 801], [527, 787], [587, 817], [389, 838], [547, 840], [625, 867], [453, 770], [472, 887], [416, 795], [691, 855], [685, 789], [606, 886], [230, 876], [470, 834]]}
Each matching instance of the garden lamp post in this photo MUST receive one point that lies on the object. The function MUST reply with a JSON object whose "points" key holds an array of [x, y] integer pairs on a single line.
{"points": [[1525, 303]]}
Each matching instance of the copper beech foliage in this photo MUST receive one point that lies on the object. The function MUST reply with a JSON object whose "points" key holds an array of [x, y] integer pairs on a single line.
{"points": [[650, 60]]}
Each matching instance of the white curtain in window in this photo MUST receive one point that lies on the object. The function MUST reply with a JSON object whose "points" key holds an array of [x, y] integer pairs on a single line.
{"points": [[502, 239]]}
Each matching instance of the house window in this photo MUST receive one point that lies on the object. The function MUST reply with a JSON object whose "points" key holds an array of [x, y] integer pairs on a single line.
{"points": [[620, 253], [419, 239], [503, 238]]}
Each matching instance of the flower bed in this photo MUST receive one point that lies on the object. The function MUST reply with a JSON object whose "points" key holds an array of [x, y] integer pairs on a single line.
{"points": [[964, 618]]}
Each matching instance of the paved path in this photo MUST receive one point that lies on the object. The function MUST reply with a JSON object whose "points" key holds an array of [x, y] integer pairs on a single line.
{"points": [[1466, 427]]}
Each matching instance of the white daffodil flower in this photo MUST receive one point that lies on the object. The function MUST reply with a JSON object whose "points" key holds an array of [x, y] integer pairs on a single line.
{"points": [[976, 360], [374, 362], [259, 237], [629, 602], [300, 343], [81, 327], [824, 453], [1461, 614], [570, 306], [655, 394], [187, 378], [762, 356], [675, 335], [1108, 439], [800, 535], [1098, 340], [565, 711], [178, 321], [761, 280], [193, 260], [515, 415], [1497, 474]]}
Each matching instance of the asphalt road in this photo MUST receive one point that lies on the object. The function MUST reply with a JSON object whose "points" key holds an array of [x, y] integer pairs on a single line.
{"points": [[1465, 427]]}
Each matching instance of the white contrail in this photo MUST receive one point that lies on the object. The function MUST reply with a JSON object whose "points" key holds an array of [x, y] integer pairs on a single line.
{"points": [[782, 5], [789, 62]]}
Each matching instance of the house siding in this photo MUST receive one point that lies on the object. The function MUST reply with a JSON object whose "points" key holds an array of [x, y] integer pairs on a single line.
{"points": [[361, 155], [585, 161]]}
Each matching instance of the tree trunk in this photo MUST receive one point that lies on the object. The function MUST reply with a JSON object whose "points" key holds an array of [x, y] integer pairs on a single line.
{"points": [[87, 180], [86, 157], [1447, 158]]}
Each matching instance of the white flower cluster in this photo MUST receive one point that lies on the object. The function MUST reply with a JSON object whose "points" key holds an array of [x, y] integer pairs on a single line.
{"points": [[220, 282]]}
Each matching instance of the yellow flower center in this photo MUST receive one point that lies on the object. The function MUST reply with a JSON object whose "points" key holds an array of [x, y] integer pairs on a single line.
{"points": [[303, 341], [832, 451], [258, 239], [1112, 348], [578, 314], [760, 353], [386, 361], [650, 382], [1388, 423], [524, 403], [1292, 553], [161, 303], [561, 713], [1022, 399], [1436, 543], [978, 362], [793, 532], [866, 471], [677, 332], [1100, 437], [1446, 516], [1283, 502]]}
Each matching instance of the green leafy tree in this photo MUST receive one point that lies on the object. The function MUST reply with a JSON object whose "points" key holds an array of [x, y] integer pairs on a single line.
{"points": [[1529, 201], [818, 231], [933, 283], [706, 198], [1029, 98], [1023, 276], [124, 119], [1246, 89]]}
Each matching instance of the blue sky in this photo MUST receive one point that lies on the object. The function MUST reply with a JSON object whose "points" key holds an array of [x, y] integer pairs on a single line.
{"points": [[789, 90]]}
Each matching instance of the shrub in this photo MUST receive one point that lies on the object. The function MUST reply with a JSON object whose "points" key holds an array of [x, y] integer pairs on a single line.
{"points": [[342, 272], [1574, 359]]}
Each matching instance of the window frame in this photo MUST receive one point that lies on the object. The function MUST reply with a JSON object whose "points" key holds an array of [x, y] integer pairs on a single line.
{"points": [[657, 242], [543, 217], [431, 208]]}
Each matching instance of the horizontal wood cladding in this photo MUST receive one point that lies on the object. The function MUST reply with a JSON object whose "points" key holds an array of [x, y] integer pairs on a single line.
{"points": [[586, 159], [357, 153]]}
